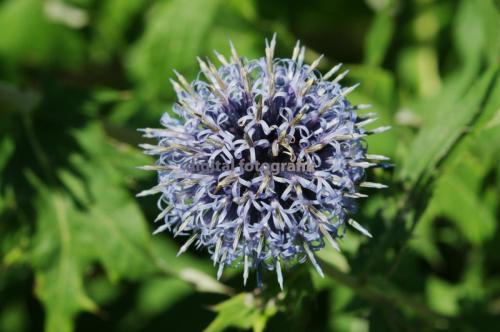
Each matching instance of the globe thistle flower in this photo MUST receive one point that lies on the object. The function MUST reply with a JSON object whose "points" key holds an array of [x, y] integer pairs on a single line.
{"points": [[254, 113]]}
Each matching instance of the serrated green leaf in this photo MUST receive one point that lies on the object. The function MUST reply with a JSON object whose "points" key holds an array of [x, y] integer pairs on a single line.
{"points": [[104, 225], [119, 233], [59, 270]]}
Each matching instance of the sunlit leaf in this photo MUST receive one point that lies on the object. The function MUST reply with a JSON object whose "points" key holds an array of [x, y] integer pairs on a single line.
{"points": [[244, 311]]}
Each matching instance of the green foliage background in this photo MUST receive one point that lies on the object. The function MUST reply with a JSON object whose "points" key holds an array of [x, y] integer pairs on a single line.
{"points": [[77, 77]]}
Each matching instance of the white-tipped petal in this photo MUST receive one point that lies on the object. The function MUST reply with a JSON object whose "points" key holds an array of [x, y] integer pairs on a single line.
{"points": [[245, 270], [221, 58], [377, 157], [164, 213], [296, 51], [279, 273], [341, 76], [330, 239], [187, 244], [315, 63], [313, 260], [358, 227], [160, 229], [332, 72], [350, 89], [380, 130], [373, 185]]}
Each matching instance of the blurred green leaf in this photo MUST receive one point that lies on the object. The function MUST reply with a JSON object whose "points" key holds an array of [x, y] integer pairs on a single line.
{"points": [[420, 69], [159, 294], [235, 21], [15, 100], [6, 149], [28, 36], [436, 139], [442, 297], [377, 89], [458, 193], [377, 84], [475, 37], [112, 23], [423, 241], [490, 118], [334, 258], [14, 318], [174, 37], [456, 200], [379, 38]]}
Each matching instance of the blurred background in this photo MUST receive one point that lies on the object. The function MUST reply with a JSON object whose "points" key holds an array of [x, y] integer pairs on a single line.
{"points": [[78, 77]]}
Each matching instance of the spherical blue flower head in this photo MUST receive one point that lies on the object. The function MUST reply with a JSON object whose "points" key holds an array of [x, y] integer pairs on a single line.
{"points": [[217, 173]]}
